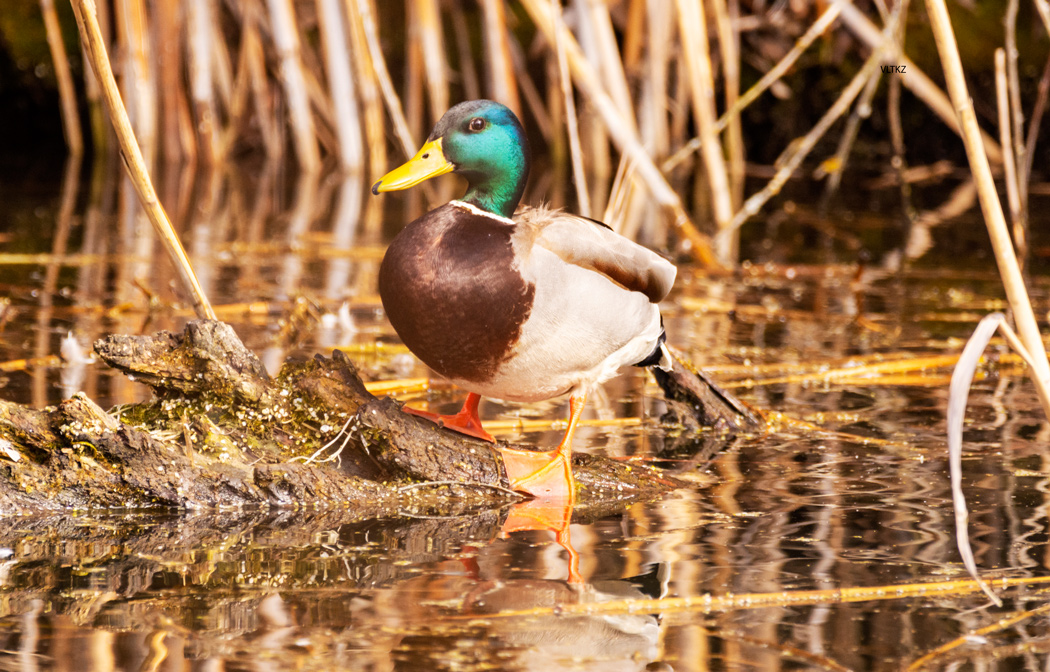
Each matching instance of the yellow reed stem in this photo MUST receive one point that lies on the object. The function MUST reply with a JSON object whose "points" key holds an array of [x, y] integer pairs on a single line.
{"points": [[854, 373], [522, 425], [378, 387], [31, 362], [708, 604], [1010, 160]]}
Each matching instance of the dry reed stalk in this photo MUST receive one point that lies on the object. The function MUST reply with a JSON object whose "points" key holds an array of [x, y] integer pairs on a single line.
{"points": [[308, 248], [284, 29], [527, 88], [583, 199], [853, 374], [499, 66], [557, 140], [433, 47], [653, 105], [1013, 282], [368, 89], [958, 394], [961, 200], [522, 425], [402, 386], [67, 94], [1016, 110], [792, 157], [1043, 8], [139, 85], [613, 66], [168, 21], [917, 81], [861, 111], [1010, 159], [594, 18], [594, 141], [729, 46], [621, 133], [238, 107], [693, 32], [375, 348], [320, 102], [341, 85], [91, 37], [13, 365], [726, 373], [468, 73], [366, 16], [412, 77], [44, 258], [616, 207], [634, 31], [758, 88], [657, 26], [836, 166], [898, 160], [100, 129], [708, 603], [221, 61], [260, 86], [200, 37]]}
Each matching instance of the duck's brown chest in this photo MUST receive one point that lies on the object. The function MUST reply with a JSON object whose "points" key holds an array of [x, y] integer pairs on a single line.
{"points": [[452, 291]]}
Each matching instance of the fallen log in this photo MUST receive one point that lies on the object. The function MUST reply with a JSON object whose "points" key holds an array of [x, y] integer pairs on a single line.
{"points": [[220, 432]]}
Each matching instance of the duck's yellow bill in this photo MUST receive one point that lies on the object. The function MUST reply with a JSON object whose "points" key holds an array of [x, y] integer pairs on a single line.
{"points": [[428, 162]]}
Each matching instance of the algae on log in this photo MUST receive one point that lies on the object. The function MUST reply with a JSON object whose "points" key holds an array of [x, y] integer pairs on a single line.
{"points": [[220, 432]]}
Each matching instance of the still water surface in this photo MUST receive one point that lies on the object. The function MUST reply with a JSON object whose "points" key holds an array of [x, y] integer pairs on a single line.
{"points": [[861, 499]]}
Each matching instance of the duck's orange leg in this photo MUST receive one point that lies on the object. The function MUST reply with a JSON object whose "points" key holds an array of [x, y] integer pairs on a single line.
{"points": [[465, 422], [547, 474]]}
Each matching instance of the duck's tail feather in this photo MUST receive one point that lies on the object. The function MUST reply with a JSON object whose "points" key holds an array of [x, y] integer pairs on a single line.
{"points": [[711, 405]]}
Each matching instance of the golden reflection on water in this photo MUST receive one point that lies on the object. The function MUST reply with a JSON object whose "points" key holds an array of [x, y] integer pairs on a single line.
{"points": [[863, 500]]}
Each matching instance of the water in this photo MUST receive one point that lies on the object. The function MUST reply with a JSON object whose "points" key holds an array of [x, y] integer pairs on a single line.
{"points": [[857, 499]]}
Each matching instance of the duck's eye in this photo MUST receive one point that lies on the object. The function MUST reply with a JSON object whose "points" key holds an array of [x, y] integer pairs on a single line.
{"points": [[477, 124]]}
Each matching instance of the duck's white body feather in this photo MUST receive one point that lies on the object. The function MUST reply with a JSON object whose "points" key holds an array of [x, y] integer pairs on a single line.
{"points": [[594, 308]]}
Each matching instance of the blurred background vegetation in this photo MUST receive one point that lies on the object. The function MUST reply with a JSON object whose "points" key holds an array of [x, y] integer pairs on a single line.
{"points": [[210, 80]]}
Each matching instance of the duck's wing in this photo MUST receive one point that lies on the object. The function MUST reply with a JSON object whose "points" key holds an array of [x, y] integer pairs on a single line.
{"points": [[590, 244]]}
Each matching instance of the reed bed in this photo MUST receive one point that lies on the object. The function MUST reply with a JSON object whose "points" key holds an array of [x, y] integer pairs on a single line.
{"points": [[638, 101]]}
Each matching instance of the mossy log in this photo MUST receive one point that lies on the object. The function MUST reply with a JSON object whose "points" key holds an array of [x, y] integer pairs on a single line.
{"points": [[220, 432]]}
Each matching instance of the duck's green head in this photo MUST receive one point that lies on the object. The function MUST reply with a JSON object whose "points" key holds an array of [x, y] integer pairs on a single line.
{"points": [[482, 141]]}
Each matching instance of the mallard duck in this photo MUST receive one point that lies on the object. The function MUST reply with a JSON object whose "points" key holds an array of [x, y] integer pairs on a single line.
{"points": [[521, 304]]}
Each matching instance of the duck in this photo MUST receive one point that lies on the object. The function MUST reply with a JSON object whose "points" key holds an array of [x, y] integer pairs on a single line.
{"points": [[515, 302]]}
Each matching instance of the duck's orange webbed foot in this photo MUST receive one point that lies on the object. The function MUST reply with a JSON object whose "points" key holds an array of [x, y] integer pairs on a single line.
{"points": [[465, 422], [547, 474], [541, 474]]}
